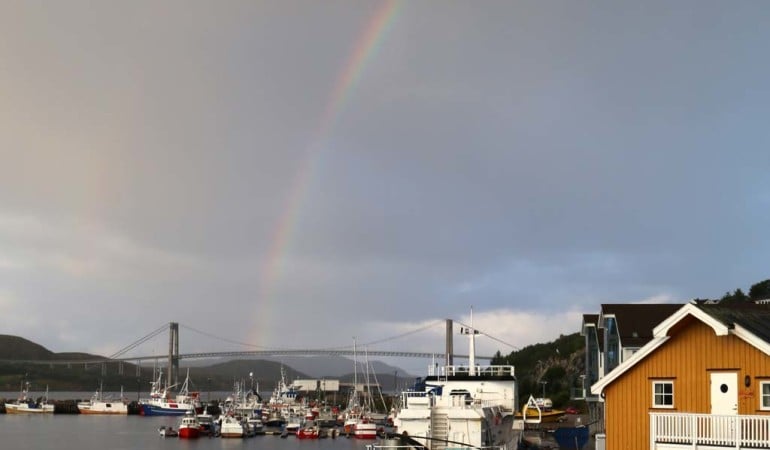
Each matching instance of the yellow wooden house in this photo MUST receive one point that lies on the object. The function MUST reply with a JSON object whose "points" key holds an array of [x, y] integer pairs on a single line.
{"points": [[702, 382]]}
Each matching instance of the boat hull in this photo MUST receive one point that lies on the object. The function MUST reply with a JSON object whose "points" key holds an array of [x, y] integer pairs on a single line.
{"points": [[155, 410], [26, 409], [189, 433], [307, 434], [103, 409]]}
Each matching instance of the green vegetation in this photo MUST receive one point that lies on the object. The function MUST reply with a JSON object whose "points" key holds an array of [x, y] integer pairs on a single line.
{"points": [[758, 291], [555, 366]]}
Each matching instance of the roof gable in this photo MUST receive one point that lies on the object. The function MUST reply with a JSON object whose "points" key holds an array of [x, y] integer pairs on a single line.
{"points": [[750, 324]]}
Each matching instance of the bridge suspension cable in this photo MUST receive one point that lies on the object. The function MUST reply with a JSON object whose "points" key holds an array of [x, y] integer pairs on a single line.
{"points": [[231, 341], [138, 342], [490, 336], [399, 336]]}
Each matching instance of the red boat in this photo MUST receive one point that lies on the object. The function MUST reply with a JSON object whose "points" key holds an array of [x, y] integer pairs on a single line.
{"points": [[309, 431], [365, 429], [189, 427]]}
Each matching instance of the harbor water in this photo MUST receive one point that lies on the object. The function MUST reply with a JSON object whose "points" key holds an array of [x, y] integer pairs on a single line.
{"points": [[82, 432]]}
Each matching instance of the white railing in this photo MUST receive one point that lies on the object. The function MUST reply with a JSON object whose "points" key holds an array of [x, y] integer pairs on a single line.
{"points": [[480, 371], [396, 446], [710, 430]]}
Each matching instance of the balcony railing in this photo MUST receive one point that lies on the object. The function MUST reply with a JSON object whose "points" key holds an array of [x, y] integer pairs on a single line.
{"points": [[695, 430]]}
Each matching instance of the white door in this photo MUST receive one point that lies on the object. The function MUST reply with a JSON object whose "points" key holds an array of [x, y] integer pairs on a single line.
{"points": [[724, 393]]}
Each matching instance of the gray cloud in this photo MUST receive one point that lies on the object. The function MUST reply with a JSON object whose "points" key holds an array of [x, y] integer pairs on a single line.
{"points": [[529, 159]]}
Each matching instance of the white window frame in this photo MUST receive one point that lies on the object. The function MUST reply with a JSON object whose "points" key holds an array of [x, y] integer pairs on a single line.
{"points": [[654, 394], [762, 395]]}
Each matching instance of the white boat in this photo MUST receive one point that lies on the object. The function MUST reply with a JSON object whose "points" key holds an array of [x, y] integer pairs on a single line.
{"points": [[99, 405], [161, 402], [254, 423], [365, 428], [165, 431], [294, 422], [26, 405], [462, 406], [284, 395], [231, 427]]}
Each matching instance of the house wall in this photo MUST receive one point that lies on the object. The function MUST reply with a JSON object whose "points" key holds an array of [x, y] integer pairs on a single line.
{"points": [[688, 358]]}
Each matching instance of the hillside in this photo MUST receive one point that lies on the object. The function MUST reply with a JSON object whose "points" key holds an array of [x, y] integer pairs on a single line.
{"points": [[556, 365], [559, 363], [212, 377], [15, 347]]}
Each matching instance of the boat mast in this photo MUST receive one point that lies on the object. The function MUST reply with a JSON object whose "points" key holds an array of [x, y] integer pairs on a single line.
{"points": [[355, 372], [471, 332]]}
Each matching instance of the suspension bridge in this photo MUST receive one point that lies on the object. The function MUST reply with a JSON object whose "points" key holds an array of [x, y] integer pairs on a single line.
{"points": [[173, 357]]}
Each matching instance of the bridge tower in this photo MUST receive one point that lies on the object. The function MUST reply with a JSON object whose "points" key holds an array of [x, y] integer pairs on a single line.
{"points": [[173, 353]]}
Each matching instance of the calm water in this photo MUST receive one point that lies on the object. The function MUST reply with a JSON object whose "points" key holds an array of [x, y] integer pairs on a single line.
{"points": [[70, 432]]}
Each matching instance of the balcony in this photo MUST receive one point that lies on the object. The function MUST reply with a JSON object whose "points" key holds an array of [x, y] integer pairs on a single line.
{"points": [[671, 431]]}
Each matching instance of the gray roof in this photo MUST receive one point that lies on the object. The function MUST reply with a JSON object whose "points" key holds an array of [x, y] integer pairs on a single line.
{"points": [[637, 320], [754, 318]]}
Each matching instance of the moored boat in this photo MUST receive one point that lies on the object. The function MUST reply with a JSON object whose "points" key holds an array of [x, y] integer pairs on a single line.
{"points": [[206, 424], [100, 405], [165, 431], [189, 426], [231, 427], [309, 431], [534, 412], [462, 406], [26, 405], [365, 428], [161, 402]]}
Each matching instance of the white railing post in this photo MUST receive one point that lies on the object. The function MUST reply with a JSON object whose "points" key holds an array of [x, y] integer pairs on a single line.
{"points": [[694, 431], [653, 430], [737, 426]]}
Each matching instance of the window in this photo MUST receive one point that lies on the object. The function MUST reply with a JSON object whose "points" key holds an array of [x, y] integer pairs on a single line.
{"points": [[764, 397], [663, 394]]}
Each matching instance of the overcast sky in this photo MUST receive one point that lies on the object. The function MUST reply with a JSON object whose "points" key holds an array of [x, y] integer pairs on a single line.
{"points": [[296, 173]]}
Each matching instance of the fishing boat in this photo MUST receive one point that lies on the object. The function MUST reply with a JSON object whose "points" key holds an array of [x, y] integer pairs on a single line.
{"points": [[462, 406], [162, 403], [310, 430], [100, 405], [189, 426], [26, 405], [284, 395], [365, 428], [293, 422], [274, 418], [231, 427], [206, 424]]}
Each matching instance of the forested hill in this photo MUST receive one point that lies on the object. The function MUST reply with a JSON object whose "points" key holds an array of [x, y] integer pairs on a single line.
{"points": [[558, 365], [17, 348]]}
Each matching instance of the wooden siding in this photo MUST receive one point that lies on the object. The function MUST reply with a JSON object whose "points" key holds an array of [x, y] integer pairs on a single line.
{"points": [[688, 358]]}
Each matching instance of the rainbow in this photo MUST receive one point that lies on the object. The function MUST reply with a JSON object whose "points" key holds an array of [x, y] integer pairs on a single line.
{"points": [[365, 49]]}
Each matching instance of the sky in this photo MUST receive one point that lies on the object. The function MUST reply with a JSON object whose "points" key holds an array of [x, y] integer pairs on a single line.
{"points": [[304, 174]]}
